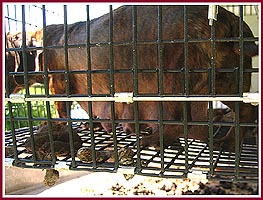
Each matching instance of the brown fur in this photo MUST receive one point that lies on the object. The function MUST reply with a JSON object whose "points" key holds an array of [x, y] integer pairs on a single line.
{"points": [[199, 54], [14, 60]]}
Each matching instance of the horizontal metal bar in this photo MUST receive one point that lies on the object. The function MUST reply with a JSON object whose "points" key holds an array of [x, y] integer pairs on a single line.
{"points": [[100, 44], [187, 98], [253, 98], [200, 70]]}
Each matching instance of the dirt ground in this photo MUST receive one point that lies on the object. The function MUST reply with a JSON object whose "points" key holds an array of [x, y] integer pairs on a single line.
{"points": [[114, 184]]}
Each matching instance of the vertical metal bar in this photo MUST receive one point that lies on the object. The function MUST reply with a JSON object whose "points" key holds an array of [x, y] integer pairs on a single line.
{"points": [[160, 87], [186, 81], [237, 140], [237, 104], [7, 83], [111, 51], [89, 84], [9, 104], [71, 143], [241, 47], [24, 57], [236, 77], [66, 61], [186, 88], [185, 123], [51, 139], [68, 104], [134, 49], [88, 52], [29, 16], [44, 54], [213, 58], [160, 50], [212, 77], [66, 50], [210, 137], [112, 88], [15, 17], [135, 83], [12, 126], [24, 53], [46, 87], [8, 20]]}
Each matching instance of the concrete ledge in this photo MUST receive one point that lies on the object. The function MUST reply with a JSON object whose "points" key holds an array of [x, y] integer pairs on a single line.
{"points": [[19, 181]]}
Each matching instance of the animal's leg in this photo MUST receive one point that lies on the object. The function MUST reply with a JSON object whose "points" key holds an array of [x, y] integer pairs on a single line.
{"points": [[57, 85], [198, 112], [129, 128], [103, 111], [247, 113]]}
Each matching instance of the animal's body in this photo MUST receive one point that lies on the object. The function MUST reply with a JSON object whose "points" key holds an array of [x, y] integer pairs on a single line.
{"points": [[171, 58]]}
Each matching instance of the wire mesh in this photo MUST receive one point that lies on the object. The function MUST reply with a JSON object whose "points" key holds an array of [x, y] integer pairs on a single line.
{"points": [[183, 158], [198, 156]]}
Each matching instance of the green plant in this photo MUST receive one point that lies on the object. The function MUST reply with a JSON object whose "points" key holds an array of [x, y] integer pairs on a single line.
{"points": [[18, 113]]}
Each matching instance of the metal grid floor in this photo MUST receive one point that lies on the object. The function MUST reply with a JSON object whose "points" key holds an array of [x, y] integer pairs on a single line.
{"points": [[220, 165]]}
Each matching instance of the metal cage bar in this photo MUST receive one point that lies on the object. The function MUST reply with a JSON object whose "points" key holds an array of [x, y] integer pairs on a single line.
{"points": [[163, 161], [160, 86], [89, 89], [186, 89], [212, 76], [52, 148], [241, 47], [112, 88], [247, 98], [135, 86], [237, 104]]}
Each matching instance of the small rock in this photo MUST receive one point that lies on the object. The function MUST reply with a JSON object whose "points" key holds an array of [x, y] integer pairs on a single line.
{"points": [[241, 185], [51, 177], [9, 151], [125, 155], [201, 185], [85, 155], [226, 184], [218, 190]]}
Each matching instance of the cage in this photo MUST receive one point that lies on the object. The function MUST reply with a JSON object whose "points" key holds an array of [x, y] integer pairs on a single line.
{"points": [[142, 78]]}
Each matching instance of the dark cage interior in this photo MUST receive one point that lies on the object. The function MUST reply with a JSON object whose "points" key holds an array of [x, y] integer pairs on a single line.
{"points": [[144, 83]]}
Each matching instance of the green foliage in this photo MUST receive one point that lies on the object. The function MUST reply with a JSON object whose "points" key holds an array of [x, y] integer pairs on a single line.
{"points": [[21, 112]]}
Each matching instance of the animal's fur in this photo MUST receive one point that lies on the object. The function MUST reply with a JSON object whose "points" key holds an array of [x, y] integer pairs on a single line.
{"points": [[172, 58]]}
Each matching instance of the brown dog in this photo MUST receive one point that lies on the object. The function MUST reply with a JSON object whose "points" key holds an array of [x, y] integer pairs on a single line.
{"points": [[147, 59]]}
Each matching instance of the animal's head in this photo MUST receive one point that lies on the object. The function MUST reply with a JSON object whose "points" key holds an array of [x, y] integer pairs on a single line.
{"points": [[229, 54], [14, 62]]}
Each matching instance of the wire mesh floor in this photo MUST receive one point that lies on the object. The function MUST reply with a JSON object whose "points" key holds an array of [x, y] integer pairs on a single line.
{"points": [[200, 164]]}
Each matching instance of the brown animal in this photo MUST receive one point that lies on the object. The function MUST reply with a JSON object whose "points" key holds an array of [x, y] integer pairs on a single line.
{"points": [[14, 61], [227, 56]]}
